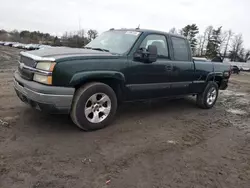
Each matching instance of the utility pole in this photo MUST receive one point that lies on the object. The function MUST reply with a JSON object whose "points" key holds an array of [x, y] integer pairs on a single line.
{"points": [[79, 29]]}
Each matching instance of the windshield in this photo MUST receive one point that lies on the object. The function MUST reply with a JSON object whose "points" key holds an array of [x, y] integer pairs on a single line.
{"points": [[118, 42]]}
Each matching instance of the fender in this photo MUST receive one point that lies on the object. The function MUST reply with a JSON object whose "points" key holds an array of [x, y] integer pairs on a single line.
{"points": [[82, 77], [212, 75]]}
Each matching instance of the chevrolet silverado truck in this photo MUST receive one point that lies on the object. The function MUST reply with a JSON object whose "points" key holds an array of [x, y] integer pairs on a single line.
{"points": [[119, 65]]}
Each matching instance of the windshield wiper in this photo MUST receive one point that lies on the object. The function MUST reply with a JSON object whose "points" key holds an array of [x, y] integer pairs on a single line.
{"points": [[99, 49]]}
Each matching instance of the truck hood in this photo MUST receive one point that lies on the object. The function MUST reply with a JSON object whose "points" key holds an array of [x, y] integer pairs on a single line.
{"points": [[56, 53]]}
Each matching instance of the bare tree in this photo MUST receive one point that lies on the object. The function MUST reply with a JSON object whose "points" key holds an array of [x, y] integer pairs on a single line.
{"points": [[81, 33], [237, 43], [223, 39], [228, 40], [247, 56], [3, 35], [199, 44], [242, 53], [180, 32], [92, 34], [236, 48], [173, 30], [15, 35], [206, 36]]}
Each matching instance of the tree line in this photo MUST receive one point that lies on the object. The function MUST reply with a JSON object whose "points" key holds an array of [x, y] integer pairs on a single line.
{"points": [[214, 42], [211, 43], [72, 39], [78, 38]]}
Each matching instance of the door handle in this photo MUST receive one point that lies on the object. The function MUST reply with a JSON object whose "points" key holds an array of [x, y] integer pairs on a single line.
{"points": [[168, 68]]}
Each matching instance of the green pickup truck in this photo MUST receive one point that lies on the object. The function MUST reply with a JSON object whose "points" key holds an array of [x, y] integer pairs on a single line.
{"points": [[119, 65]]}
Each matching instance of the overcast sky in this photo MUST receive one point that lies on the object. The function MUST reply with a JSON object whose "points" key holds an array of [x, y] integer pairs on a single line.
{"points": [[58, 16]]}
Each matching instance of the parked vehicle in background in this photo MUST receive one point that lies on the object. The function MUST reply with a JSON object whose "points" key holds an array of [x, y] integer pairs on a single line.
{"points": [[119, 65], [11, 44], [22, 46], [7, 44], [18, 45], [15, 45], [235, 69], [248, 61], [36, 46], [28, 46], [243, 66], [42, 46], [25, 46], [32, 46]]}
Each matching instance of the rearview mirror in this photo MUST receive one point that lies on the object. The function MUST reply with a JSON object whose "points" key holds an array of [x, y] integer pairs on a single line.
{"points": [[148, 55]]}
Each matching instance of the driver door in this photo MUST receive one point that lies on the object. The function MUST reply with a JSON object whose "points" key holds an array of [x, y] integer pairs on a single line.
{"points": [[151, 80]]}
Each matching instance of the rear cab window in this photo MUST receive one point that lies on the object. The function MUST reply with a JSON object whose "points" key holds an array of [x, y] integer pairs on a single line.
{"points": [[181, 49]]}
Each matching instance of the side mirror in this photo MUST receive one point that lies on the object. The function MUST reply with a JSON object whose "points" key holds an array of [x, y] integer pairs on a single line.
{"points": [[152, 56], [148, 55]]}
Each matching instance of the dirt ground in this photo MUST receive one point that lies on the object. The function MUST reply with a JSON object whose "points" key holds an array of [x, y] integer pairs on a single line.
{"points": [[156, 144]]}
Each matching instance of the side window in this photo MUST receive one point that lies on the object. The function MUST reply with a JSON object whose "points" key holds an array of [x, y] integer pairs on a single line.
{"points": [[159, 41], [180, 49]]}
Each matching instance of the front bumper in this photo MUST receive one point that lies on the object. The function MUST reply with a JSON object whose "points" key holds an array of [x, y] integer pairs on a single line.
{"points": [[45, 98]]}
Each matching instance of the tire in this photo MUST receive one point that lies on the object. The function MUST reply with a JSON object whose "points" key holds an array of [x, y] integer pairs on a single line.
{"points": [[202, 98], [102, 101]]}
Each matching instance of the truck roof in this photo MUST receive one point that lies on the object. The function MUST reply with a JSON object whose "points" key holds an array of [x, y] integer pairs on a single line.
{"points": [[150, 31]]}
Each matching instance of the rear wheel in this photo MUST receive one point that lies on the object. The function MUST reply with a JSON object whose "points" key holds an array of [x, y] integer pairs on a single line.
{"points": [[94, 106], [209, 96]]}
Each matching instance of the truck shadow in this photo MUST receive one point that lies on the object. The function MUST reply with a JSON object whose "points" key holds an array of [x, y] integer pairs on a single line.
{"points": [[135, 110], [156, 106]]}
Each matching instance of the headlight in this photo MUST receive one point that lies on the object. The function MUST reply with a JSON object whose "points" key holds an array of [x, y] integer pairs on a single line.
{"points": [[46, 66], [43, 79]]}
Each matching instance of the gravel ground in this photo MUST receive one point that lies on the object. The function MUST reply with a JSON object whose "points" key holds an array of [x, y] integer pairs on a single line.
{"points": [[153, 144]]}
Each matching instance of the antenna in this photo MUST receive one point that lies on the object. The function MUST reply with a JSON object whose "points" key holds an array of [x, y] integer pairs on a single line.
{"points": [[138, 27]]}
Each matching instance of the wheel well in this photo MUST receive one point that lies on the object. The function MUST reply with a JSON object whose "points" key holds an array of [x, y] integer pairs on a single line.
{"points": [[115, 84], [216, 79]]}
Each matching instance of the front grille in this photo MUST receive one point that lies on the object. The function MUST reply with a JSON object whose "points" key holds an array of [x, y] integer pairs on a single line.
{"points": [[26, 74], [27, 61]]}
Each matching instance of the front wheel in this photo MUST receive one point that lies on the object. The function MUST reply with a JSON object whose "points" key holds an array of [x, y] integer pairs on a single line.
{"points": [[209, 96], [94, 106]]}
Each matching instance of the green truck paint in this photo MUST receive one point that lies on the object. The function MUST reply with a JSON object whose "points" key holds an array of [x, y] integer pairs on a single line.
{"points": [[171, 75]]}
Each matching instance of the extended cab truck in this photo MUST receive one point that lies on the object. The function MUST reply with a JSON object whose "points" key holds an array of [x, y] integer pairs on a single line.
{"points": [[119, 65]]}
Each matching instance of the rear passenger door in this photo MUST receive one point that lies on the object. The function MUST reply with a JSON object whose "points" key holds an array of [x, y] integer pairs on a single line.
{"points": [[182, 66]]}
